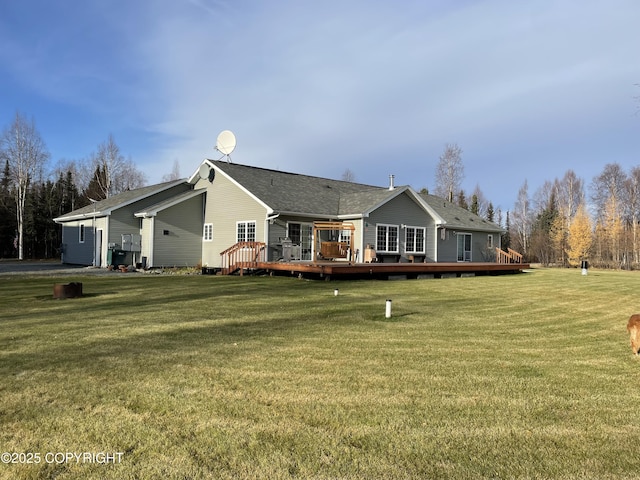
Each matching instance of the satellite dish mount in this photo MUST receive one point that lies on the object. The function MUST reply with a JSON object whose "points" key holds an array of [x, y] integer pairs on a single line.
{"points": [[226, 143]]}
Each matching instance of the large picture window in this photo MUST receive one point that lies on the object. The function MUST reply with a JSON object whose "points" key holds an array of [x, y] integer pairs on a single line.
{"points": [[414, 239], [387, 238], [246, 231]]}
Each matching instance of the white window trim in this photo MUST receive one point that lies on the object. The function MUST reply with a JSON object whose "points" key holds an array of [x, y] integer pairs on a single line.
{"points": [[246, 224], [207, 234], [463, 252], [386, 250], [424, 238], [490, 240], [82, 233]]}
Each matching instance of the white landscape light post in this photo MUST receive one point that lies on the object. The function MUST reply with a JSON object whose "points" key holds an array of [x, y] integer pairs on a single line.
{"points": [[387, 311]]}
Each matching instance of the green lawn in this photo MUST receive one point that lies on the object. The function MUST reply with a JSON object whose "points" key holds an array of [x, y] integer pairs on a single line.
{"points": [[519, 376]]}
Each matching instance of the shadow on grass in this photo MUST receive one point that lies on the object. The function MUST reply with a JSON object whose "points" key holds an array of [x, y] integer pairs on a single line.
{"points": [[47, 298], [395, 317]]}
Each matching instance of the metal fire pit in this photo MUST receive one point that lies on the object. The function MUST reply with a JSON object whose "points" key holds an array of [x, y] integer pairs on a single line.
{"points": [[67, 290]]}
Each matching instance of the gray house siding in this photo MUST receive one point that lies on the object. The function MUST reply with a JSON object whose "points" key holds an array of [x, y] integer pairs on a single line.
{"points": [[226, 205], [73, 251], [112, 224], [398, 212], [480, 250], [177, 236], [82, 253], [448, 247], [122, 221], [277, 233]]}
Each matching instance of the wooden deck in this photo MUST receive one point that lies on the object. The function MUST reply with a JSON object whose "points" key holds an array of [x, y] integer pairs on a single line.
{"points": [[329, 270]]}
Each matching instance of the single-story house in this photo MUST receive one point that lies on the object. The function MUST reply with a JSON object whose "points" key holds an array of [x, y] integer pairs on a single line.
{"points": [[190, 222]]}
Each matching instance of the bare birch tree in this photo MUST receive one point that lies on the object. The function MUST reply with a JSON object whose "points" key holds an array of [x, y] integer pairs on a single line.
{"points": [[609, 184], [119, 174], [24, 149], [570, 195], [348, 176], [449, 172], [632, 187], [521, 219], [175, 172]]}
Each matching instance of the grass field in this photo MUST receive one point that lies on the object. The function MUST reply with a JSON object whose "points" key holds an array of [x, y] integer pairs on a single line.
{"points": [[523, 376]]}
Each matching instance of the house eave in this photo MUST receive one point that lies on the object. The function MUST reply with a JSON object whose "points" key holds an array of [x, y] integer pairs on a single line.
{"points": [[323, 216], [82, 216]]}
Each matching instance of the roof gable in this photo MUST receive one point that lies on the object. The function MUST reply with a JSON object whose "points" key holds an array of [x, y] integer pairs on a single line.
{"points": [[153, 210], [285, 192]]}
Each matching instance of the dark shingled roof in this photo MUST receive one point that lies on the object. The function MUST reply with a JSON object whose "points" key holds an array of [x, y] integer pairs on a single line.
{"points": [[296, 193], [458, 217], [104, 207], [288, 192]]}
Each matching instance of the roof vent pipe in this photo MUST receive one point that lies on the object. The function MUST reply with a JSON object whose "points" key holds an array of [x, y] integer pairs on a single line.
{"points": [[391, 185]]}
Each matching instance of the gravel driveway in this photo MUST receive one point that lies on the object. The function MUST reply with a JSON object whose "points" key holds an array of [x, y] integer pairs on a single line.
{"points": [[27, 267]]}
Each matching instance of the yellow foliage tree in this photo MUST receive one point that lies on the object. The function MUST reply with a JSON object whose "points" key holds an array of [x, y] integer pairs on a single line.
{"points": [[580, 237]]}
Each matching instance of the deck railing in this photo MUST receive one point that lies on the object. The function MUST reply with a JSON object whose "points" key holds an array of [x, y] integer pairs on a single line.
{"points": [[517, 257], [510, 256], [243, 255]]}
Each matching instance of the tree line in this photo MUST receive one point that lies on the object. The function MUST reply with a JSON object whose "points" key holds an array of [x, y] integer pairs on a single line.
{"points": [[33, 193], [565, 222]]}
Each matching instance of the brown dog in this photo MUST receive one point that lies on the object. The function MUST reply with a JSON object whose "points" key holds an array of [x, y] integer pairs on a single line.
{"points": [[633, 327]]}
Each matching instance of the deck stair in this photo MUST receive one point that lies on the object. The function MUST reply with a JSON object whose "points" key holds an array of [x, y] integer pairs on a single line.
{"points": [[243, 256], [510, 256]]}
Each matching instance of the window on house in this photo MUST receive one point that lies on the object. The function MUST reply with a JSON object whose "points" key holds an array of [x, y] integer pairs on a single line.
{"points": [[81, 233], [344, 236], [387, 238], [490, 241], [464, 247], [246, 231], [295, 233], [208, 232], [414, 239]]}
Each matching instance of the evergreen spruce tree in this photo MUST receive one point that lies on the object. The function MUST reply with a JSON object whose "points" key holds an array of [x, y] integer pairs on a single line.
{"points": [[7, 215]]}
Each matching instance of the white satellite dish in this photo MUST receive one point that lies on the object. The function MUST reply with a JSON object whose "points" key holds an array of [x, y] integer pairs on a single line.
{"points": [[203, 171], [226, 142]]}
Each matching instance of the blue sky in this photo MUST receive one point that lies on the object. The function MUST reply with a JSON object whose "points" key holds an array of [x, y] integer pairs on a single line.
{"points": [[528, 90]]}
